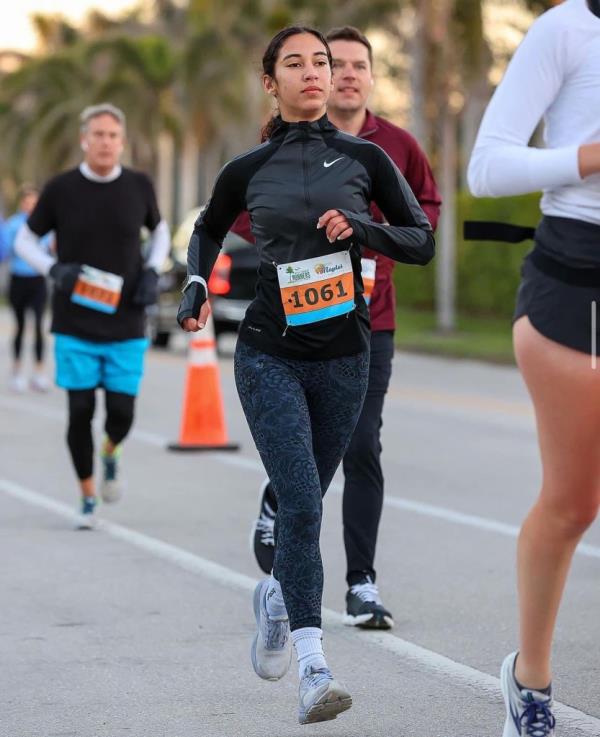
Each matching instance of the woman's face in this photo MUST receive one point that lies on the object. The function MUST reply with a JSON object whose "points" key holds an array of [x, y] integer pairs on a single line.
{"points": [[302, 81]]}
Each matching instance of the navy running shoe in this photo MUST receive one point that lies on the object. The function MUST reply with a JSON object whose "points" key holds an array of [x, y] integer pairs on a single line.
{"points": [[528, 712]]}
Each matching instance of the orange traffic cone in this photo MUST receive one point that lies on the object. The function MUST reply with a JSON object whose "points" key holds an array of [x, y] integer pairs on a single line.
{"points": [[203, 420]]}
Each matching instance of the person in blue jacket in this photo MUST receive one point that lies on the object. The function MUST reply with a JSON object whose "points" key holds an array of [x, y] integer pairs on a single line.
{"points": [[27, 291]]}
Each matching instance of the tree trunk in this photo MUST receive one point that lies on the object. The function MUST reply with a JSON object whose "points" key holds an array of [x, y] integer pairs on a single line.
{"points": [[446, 253], [477, 98], [418, 48]]}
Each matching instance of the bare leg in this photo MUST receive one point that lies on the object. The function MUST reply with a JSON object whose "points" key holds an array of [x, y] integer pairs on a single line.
{"points": [[566, 394], [87, 487]]}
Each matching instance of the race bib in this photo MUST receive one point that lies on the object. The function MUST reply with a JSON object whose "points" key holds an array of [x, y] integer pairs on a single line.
{"points": [[317, 288], [99, 290], [369, 266]]}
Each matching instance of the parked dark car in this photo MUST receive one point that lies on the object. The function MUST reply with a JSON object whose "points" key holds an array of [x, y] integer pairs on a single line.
{"points": [[231, 286]]}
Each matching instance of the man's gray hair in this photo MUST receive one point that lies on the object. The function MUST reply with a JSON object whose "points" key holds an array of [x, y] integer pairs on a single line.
{"points": [[104, 108]]}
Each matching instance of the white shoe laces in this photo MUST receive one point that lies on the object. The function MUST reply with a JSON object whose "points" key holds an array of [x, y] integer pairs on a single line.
{"points": [[266, 526], [315, 677], [366, 592]]}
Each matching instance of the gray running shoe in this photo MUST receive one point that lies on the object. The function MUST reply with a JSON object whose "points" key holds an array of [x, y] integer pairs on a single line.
{"points": [[272, 647], [528, 712], [321, 696]]}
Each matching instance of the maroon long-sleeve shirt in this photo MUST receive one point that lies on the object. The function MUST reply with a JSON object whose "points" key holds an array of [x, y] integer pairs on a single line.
{"points": [[408, 156]]}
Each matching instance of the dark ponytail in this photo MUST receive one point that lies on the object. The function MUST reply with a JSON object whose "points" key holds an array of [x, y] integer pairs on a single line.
{"points": [[270, 59]]}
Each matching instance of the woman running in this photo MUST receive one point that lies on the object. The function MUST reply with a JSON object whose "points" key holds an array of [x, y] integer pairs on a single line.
{"points": [[27, 291], [301, 362], [554, 75]]}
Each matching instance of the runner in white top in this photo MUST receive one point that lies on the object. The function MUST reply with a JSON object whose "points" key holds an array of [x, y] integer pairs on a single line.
{"points": [[554, 76]]}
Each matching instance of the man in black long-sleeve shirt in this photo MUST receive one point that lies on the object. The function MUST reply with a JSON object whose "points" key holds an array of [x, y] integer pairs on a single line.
{"points": [[101, 288]]}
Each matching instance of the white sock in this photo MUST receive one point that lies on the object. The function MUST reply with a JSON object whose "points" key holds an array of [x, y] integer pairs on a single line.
{"points": [[275, 603], [308, 642]]}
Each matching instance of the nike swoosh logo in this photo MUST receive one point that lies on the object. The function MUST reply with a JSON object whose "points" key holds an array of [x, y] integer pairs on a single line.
{"points": [[327, 164]]}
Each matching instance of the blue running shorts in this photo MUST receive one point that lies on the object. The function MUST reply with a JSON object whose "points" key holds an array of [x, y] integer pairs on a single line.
{"points": [[117, 366]]}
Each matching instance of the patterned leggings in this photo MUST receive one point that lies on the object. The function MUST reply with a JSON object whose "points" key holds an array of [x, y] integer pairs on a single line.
{"points": [[302, 415]]}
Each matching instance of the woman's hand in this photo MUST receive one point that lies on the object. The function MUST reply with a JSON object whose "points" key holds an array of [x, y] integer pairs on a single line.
{"points": [[192, 324], [336, 224]]}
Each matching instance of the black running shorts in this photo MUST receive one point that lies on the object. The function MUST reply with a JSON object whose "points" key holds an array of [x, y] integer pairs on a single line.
{"points": [[561, 312]]}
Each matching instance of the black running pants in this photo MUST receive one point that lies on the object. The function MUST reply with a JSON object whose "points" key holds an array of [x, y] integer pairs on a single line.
{"points": [[28, 293], [301, 415], [363, 476], [119, 419]]}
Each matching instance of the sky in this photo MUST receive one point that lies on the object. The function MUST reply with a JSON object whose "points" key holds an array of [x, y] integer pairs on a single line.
{"points": [[15, 28]]}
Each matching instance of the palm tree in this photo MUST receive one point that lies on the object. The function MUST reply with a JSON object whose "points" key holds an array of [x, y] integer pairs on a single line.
{"points": [[39, 104], [138, 74], [450, 91], [190, 73]]}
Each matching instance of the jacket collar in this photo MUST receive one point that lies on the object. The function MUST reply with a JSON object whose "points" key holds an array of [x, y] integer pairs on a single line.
{"points": [[370, 125], [320, 126]]}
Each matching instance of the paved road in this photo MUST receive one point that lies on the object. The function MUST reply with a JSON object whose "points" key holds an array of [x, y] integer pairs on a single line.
{"points": [[143, 627]]}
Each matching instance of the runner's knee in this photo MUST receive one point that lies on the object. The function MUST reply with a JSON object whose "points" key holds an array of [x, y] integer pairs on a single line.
{"points": [[81, 409], [119, 415], [571, 518]]}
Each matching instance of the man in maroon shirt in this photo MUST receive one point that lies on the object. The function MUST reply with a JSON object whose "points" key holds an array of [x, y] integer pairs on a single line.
{"points": [[363, 488]]}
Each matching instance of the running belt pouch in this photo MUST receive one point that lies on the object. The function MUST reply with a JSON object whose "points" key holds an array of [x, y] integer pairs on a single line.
{"points": [[475, 230], [491, 231], [575, 276]]}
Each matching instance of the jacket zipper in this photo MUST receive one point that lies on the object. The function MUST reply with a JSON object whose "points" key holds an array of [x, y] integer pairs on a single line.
{"points": [[305, 172], [306, 188]]}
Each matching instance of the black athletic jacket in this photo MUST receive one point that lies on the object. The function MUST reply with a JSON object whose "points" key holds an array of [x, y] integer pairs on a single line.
{"points": [[286, 184]]}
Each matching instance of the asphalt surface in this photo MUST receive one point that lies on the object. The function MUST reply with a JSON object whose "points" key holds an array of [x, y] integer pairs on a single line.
{"points": [[143, 627]]}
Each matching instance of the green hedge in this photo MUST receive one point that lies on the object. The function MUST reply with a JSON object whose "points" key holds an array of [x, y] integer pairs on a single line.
{"points": [[487, 273]]}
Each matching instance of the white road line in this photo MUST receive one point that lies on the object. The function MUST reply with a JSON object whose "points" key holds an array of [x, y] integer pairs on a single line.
{"points": [[426, 510], [438, 664], [250, 464]]}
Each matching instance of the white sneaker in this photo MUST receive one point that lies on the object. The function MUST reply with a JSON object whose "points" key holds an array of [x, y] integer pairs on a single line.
{"points": [[17, 383], [272, 646], [528, 712], [85, 518], [321, 697], [40, 383]]}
